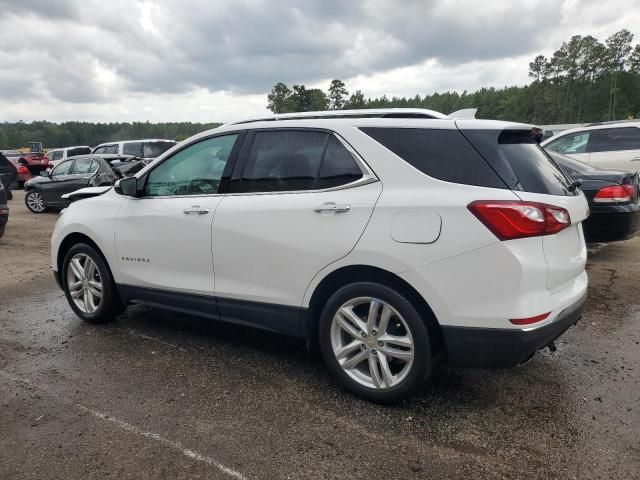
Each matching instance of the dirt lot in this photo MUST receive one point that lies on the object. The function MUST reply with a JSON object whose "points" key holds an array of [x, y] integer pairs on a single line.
{"points": [[161, 395]]}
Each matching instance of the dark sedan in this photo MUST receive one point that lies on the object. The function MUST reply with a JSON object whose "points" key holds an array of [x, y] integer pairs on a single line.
{"points": [[613, 198], [46, 191]]}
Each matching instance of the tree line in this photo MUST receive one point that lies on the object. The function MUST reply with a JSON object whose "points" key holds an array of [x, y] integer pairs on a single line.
{"points": [[15, 135], [585, 80]]}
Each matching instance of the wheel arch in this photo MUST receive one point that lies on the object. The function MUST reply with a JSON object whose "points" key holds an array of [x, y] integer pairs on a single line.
{"points": [[73, 239], [366, 273]]}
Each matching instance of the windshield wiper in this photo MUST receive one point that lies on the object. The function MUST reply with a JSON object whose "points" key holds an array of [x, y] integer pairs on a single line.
{"points": [[573, 185]]}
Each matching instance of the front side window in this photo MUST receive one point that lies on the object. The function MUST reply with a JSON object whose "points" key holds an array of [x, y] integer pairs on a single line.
{"points": [[84, 166], [62, 169], [285, 160], [56, 155], [572, 143], [194, 170], [614, 139]]}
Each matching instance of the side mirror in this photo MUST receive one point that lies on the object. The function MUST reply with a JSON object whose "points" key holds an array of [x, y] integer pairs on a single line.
{"points": [[45, 173], [127, 186]]}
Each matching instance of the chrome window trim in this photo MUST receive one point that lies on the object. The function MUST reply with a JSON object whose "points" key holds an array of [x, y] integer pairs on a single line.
{"points": [[368, 175]]}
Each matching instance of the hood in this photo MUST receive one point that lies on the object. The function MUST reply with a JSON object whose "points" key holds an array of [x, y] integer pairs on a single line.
{"points": [[38, 179]]}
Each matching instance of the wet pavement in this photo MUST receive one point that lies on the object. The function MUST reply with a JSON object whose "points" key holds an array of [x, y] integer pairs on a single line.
{"points": [[162, 395]]}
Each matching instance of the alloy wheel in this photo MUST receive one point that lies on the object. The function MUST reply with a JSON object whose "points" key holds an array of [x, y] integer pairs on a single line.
{"points": [[35, 202], [372, 343], [84, 283]]}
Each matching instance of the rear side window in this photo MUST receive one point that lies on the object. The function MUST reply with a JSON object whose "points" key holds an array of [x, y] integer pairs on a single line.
{"points": [[521, 163], [614, 139], [442, 154], [338, 167], [286, 160], [78, 151], [132, 148], [84, 165]]}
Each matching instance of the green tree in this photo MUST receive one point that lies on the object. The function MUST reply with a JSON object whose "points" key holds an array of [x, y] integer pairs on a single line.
{"points": [[279, 100], [356, 100], [337, 95]]}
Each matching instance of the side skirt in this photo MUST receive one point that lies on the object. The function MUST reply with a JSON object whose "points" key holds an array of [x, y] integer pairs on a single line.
{"points": [[282, 319]]}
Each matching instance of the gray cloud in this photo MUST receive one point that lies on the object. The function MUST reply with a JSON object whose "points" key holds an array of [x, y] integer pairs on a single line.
{"points": [[94, 51]]}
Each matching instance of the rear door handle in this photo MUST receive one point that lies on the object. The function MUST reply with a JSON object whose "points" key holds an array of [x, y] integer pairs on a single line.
{"points": [[196, 210], [332, 207]]}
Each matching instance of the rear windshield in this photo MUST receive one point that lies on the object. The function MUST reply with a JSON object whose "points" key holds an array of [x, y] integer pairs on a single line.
{"points": [[146, 149], [523, 165], [441, 154]]}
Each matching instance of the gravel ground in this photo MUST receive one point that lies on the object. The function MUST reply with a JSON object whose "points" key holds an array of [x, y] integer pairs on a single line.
{"points": [[162, 395]]}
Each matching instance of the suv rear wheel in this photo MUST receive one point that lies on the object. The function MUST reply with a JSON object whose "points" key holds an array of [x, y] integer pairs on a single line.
{"points": [[374, 342], [88, 285]]}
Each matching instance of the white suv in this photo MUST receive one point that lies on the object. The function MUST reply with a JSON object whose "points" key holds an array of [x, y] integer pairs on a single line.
{"points": [[147, 148], [389, 239], [614, 145]]}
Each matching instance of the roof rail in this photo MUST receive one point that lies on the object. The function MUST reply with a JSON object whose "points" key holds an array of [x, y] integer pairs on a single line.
{"points": [[611, 122], [360, 113]]}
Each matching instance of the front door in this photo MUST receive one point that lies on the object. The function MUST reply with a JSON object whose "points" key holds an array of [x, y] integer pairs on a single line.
{"points": [[59, 179], [163, 238], [298, 201]]}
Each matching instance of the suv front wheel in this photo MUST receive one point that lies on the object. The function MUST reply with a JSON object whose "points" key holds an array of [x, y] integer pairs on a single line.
{"points": [[88, 285], [374, 342]]}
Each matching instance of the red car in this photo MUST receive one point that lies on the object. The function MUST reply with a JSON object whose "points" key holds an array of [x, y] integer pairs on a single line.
{"points": [[28, 164]]}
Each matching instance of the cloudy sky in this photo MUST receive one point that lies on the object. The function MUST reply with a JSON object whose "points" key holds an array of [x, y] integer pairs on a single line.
{"points": [[215, 60]]}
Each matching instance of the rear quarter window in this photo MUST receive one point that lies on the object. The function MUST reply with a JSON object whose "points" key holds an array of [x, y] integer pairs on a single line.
{"points": [[442, 154], [521, 163]]}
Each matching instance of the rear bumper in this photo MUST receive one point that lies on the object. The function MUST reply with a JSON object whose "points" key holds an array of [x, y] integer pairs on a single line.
{"points": [[611, 224], [505, 348]]}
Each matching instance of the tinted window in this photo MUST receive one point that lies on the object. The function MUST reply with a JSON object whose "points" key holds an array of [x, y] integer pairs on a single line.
{"points": [[572, 143], [338, 166], [78, 151], [614, 139], [106, 149], [286, 160], [442, 154], [84, 165], [63, 169], [194, 170], [520, 161], [132, 148], [155, 149]]}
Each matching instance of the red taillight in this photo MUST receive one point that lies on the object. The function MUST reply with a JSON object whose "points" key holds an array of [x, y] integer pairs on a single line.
{"points": [[615, 194], [22, 169], [530, 320], [509, 220]]}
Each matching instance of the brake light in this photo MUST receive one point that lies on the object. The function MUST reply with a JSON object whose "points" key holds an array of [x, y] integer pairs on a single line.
{"points": [[509, 220], [530, 320], [22, 169], [615, 194]]}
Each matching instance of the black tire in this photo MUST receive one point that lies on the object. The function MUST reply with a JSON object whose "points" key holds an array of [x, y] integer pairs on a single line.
{"points": [[29, 194], [9, 195], [110, 305], [421, 366]]}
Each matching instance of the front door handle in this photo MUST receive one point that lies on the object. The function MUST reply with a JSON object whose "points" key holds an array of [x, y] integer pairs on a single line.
{"points": [[332, 207], [196, 210]]}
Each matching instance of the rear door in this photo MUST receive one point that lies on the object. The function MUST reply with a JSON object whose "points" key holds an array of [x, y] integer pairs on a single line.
{"points": [[615, 148], [298, 200], [533, 176]]}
